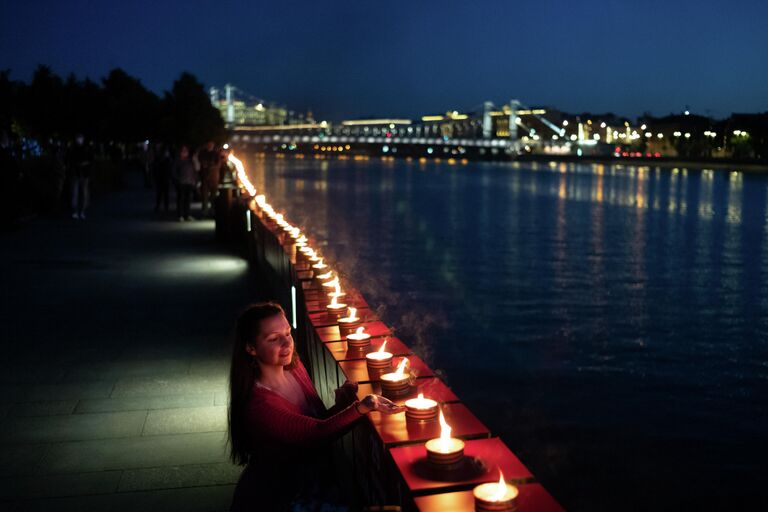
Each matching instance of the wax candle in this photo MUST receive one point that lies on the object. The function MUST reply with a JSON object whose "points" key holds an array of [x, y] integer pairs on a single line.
{"points": [[495, 496], [359, 338], [445, 451], [420, 409]]}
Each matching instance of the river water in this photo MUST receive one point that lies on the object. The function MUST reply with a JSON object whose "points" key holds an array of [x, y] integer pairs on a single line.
{"points": [[610, 323]]}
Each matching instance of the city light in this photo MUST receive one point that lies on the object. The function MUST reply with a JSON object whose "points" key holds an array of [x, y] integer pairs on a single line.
{"points": [[390, 122]]}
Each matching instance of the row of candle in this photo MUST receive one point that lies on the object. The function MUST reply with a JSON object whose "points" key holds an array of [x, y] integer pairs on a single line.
{"points": [[445, 452]]}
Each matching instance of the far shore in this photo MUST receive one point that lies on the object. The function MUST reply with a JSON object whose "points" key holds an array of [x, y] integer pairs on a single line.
{"points": [[667, 163]]}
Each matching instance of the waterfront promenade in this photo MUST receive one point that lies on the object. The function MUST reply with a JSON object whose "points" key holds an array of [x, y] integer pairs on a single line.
{"points": [[116, 336]]}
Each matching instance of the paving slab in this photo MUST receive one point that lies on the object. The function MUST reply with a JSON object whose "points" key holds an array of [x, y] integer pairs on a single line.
{"points": [[144, 403], [73, 484], [74, 427], [169, 477], [103, 370], [190, 499], [48, 408], [184, 421], [168, 385], [135, 452], [21, 459], [62, 391], [221, 398]]}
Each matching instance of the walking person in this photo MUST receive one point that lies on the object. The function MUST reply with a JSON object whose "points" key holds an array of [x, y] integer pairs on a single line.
{"points": [[185, 175], [79, 160], [162, 166], [210, 165]]}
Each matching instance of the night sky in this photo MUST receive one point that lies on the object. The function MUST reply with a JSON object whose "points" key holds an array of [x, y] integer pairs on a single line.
{"points": [[346, 59]]}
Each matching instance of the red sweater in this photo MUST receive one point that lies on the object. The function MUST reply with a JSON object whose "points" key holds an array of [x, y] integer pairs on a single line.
{"points": [[289, 450], [274, 421]]}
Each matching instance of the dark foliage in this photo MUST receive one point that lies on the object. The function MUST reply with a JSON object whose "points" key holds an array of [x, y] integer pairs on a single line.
{"points": [[120, 110]]}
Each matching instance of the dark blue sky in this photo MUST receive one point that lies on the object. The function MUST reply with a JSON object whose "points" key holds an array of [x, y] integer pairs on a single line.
{"points": [[406, 58]]}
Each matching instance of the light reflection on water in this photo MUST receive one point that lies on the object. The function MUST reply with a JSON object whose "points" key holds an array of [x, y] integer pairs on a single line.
{"points": [[609, 321]]}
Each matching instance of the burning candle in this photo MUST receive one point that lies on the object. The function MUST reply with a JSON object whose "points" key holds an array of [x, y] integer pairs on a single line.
{"points": [[445, 451], [397, 383], [315, 258], [493, 496], [308, 251], [320, 265], [379, 361], [325, 276], [335, 307], [349, 323], [359, 338], [420, 409], [295, 233]]}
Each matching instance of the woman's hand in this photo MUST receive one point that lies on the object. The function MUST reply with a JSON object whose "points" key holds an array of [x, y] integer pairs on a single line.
{"points": [[347, 393], [378, 403]]}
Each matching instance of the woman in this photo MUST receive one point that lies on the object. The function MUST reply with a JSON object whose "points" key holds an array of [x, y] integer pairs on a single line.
{"points": [[278, 426]]}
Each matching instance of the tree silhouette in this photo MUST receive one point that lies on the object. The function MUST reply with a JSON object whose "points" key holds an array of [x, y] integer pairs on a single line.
{"points": [[119, 110], [131, 111], [188, 115]]}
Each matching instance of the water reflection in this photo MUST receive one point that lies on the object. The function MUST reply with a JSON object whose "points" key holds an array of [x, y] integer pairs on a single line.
{"points": [[610, 306]]}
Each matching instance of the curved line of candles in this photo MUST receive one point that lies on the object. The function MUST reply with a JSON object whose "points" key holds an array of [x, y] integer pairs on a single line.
{"points": [[295, 232], [492, 492]]}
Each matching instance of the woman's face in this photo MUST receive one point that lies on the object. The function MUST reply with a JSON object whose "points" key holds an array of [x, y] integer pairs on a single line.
{"points": [[274, 344]]}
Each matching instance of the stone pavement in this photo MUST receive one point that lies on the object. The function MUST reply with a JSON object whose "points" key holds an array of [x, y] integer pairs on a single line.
{"points": [[116, 334]]}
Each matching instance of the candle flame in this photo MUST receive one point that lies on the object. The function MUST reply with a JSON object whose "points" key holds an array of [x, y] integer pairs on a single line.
{"points": [[421, 396], [382, 346], [327, 275], [242, 176], [501, 489], [360, 331], [261, 200], [445, 432], [351, 312], [401, 367], [333, 302], [302, 239]]}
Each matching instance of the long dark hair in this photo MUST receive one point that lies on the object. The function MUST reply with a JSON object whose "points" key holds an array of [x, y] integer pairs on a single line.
{"points": [[243, 374]]}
